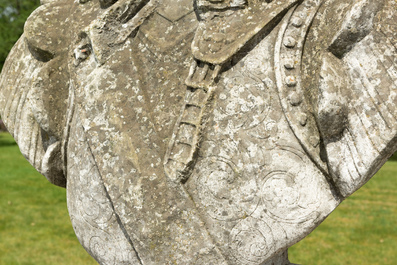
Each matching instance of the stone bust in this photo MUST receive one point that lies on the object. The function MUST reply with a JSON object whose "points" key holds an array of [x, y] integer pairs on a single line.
{"points": [[203, 131]]}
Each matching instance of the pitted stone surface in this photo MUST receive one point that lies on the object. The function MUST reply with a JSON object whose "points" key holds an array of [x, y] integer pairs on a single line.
{"points": [[203, 131]]}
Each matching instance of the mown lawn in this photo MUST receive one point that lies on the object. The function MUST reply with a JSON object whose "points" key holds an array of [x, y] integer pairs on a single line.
{"points": [[361, 231], [34, 222], [35, 226]]}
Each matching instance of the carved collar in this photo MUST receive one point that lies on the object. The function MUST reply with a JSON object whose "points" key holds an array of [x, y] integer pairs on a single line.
{"points": [[227, 25]]}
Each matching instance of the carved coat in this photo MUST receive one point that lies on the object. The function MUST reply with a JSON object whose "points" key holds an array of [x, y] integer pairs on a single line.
{"points": [[213, 131]]}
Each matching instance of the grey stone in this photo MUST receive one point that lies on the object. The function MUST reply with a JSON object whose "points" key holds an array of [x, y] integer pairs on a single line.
{"points": [[203, 131]]}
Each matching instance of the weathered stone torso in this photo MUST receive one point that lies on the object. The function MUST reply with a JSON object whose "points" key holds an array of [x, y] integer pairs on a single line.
{"points": [[203, 132], [249, 186]]}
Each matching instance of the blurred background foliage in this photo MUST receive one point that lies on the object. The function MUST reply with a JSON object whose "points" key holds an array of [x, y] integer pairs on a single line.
{"points": [[13, 14]]}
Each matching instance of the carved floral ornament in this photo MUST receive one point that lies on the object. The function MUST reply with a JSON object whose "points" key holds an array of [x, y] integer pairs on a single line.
{"points": [[203, 132]]}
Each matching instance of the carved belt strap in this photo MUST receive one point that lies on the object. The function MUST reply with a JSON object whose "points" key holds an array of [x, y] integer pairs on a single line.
{"points": [[226, 27], [179, 158], [288, 60]]}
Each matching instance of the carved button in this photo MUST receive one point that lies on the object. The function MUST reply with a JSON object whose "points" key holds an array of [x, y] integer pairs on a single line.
{"points": [[303, 119], [289, 42], [290, 81], [289, 64], [295, 99], [296, 22]]}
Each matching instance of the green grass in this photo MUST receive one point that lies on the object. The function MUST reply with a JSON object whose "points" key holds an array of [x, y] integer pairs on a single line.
{"points": [[35, 226], [362, 230], [34, 222]]}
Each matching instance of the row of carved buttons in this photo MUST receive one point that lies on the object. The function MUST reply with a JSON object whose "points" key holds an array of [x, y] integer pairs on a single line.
{"points": [[295, 99], [289, 64], [290, 42]]}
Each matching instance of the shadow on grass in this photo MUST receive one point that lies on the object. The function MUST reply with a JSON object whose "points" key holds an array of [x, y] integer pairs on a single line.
{"points": [[393, 157], [6, 140]]}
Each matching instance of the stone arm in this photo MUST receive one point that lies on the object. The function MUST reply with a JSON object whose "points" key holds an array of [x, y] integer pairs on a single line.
{"points": [[353, 95], [35, 87], [34, 91]]}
